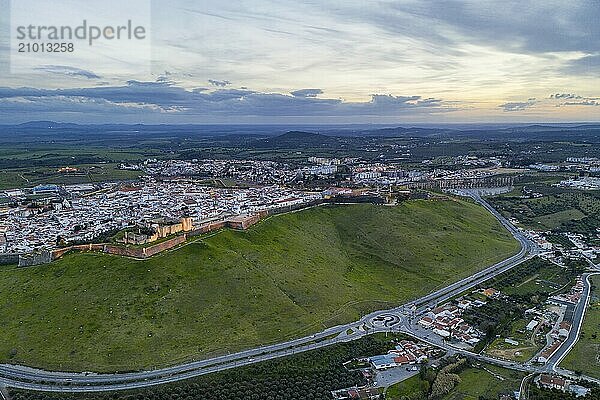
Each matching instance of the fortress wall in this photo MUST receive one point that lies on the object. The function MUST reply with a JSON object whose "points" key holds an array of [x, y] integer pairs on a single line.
{"points": [[124, 251], [185, 225], [243, 223], [30, 260], [145, 252], [166, 245], [9, 258], [58, 253], [295, 207], [210, 227]]}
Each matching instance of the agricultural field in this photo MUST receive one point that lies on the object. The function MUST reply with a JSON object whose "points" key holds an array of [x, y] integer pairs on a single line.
{"points": [[529, 344], [289, 276], [555, 220], [544, 207], [486, 383], [86, 173], [476, 383], [535, 277], [585, 356], [408, 387]]}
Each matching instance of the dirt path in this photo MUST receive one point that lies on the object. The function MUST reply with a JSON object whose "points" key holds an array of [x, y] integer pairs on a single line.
{"points": [[528, 280], [508, 354]]}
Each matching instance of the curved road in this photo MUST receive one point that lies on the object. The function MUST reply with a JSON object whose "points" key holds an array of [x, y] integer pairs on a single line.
{"points": [[380, 321]]}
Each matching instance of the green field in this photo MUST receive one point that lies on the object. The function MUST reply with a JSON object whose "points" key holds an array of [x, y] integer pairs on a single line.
{"points": [[87, 173], [291, 275], [528, 345], [585, 356], [407, 387], [476, 384], [555, 220], [558, 209], [535, 277], [488, 384]]}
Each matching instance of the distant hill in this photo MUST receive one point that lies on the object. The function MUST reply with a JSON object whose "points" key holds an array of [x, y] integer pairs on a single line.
{"points": [[296, 139], [408, 132], [46, 125], [297, 136]]}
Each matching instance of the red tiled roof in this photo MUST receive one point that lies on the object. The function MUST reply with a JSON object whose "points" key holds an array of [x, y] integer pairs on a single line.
{"points": [[401, 360]]}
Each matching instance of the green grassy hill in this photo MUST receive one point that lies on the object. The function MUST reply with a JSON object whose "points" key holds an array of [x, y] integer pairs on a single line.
{"points": [[289, 276]]}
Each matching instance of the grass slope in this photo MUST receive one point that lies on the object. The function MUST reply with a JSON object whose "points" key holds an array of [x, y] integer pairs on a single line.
{"points": [[290, 275], [585, 356]]}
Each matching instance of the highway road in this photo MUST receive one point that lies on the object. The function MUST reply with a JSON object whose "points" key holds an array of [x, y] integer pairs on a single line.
{"points": [[396, 319], [578, 318]]}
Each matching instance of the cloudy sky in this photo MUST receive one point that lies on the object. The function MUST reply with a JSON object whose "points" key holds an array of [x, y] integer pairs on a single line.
{"points": [[320, 61]]}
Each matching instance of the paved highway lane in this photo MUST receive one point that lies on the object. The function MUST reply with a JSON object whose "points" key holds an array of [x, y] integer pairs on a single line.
{"points": [[578, 317]]}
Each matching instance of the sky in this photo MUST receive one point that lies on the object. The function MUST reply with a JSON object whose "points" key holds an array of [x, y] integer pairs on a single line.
{"points": [[312, 61]]}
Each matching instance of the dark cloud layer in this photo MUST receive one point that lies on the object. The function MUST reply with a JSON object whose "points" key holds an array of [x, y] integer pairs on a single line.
{"points": [[565, 96], [218, 83], [518, 25], [521, 26], [166, 97], [306, 93], [588, 65], [68, 71], [582, 103], [572, 99], [556, 99], [518, 105]]}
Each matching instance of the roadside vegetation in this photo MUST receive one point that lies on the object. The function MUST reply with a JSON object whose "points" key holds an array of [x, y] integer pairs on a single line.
{"points": [[307, 376], [536, 393]]}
